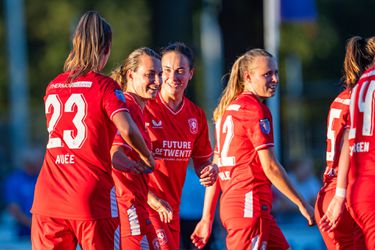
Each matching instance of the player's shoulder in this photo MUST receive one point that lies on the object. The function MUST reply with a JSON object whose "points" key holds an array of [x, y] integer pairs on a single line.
{"points": [[369, 73], [343, 98], [245, 102]]}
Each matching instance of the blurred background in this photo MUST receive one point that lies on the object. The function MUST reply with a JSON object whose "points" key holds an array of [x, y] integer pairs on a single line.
{"points": [[308, 38]]}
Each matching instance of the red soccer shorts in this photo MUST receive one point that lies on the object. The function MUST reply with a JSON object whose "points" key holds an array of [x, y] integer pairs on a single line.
{"points": [[260, 232], [53, 233], [168, 234], [347, 234], [364, 215], [148, 241]]}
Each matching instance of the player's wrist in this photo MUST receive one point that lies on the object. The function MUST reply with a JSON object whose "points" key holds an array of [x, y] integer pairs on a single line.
{"points": [[340, 192]]}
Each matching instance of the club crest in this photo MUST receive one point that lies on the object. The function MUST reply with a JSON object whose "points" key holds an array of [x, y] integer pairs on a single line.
{"points": [[265, 126], [162, 236], [193, 125]]}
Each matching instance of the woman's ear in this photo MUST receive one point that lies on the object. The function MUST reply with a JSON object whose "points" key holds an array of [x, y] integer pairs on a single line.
{"points": [[247, 76], [191, 73], [129, 75]]}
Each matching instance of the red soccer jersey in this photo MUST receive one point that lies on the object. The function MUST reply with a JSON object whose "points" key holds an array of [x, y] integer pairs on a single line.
{"points": [[244, 128], [176, 136], [337, 122], [362, 139], [75, 181], [132, 189]]}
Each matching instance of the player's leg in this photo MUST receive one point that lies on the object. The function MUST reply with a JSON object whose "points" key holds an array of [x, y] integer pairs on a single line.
{"points": [[364, 215], [272, 232], [52, 234], [242, 233]]}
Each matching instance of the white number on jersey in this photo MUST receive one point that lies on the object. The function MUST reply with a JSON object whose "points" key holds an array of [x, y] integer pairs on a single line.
{"points": [[333, 114], [228, 126], [75, 100], [365, 106]]}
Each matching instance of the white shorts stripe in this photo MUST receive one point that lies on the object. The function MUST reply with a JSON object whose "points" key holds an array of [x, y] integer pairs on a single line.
{"points": [[248, 210]]}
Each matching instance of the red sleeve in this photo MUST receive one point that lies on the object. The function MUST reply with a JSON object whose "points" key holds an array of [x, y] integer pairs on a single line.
{"points": [[202, 146], [113, 99], [259, 129]]}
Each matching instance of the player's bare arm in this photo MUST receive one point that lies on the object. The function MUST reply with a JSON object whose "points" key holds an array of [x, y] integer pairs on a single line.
{"points": [[335, 208], [121, 162], [277, 175], [161, 206], [131, 134], [203, 229]]}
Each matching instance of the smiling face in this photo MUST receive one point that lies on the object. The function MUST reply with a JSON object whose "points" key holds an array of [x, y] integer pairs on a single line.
{"points": [[176, 74], [263, 77], [146, 79]]}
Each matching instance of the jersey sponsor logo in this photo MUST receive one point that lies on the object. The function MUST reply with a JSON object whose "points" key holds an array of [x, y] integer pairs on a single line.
{"points": [[193, 125], [174, 150], [81, 84], [135, 228], [345, 101], [120, 95], [156, 124], [234, 107], [162, 236], [265, 126]]}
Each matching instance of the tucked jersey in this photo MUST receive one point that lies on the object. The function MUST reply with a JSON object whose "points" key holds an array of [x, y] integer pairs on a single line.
{"points": [[244, 128], [131, 188], [75, 180], [362, 139], [337, 122], [176, 137]]}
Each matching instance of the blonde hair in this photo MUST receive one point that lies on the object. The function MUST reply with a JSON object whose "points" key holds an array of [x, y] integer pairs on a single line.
{"points": [[132, 62], [91, 40], [358, 57], [235, 84]]}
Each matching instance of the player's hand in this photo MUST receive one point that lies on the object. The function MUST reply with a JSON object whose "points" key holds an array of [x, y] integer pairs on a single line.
{"points": [[126, 164], [149, 163], [208, 175], [201, 233], [161, 206], [333, 214], [308, 212], [143, 168]]}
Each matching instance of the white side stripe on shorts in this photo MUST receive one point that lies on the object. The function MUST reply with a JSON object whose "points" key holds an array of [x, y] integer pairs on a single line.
{"points": [[248, 211]]}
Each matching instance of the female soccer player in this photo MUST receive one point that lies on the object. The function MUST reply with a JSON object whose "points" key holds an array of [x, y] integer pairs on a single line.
{"points": [[247, 163], [178, 130], [74, 196], [360, 186], [347, 234], [140, 77]]}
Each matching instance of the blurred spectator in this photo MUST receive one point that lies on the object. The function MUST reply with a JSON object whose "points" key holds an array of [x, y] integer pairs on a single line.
{"points": [[191, 209], [303, 178], [19, 190]]}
